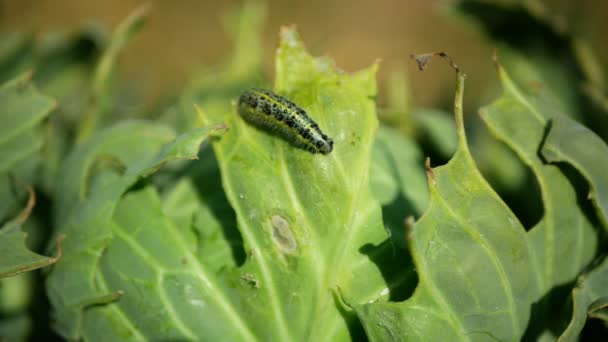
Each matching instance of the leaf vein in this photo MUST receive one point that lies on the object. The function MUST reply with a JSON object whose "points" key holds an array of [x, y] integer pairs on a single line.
{"points": [[501, 272]]}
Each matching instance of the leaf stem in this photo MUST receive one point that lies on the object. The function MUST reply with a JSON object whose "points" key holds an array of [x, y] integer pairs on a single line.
{"points": [[423, 60], [458, 113], [100, 93]]}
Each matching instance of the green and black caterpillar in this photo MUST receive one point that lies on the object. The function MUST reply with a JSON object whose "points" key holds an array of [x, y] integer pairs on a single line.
{"points": [[267, 110]]}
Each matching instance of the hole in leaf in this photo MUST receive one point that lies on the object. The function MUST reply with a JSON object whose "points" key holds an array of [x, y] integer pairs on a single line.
{"points": [[595, 330], [582, 188], [205, 175], [396, 266], [550, 313], [512, 180]]}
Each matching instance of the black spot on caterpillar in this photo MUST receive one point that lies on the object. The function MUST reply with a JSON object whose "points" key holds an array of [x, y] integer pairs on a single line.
{"points": [[269, 111]]}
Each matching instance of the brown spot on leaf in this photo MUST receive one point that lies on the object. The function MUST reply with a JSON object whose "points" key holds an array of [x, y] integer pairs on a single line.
{"points": [[282, 236], [250, 280]]}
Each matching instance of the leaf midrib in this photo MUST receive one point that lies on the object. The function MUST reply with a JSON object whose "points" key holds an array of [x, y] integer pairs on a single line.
{"points": [[264, 268]]}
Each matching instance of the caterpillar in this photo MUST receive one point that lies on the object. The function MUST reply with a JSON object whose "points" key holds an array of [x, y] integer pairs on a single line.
{"points": [[269, 111]]}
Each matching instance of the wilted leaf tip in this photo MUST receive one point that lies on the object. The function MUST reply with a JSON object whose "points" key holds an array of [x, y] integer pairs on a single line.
{"points": [[423, 60], [46, 261], [31, 202], [502, 73], [429, 172], [57, 257]]}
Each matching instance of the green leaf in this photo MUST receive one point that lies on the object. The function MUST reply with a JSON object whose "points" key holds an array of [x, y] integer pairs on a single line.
{"points": [[398, 167], [23, 110], [436, 128], [198, 202], [94, 178], [245, 26], [198, 206], [15, 328], [474, 262], [542, 59], [398, 113], [303, 231], [61, 62], [432, 128], [384, 179], [213, 89], [543, 76], [13, 46], [100, 94], [498, 163], [569, 141], [15, 257], [62, 65], [15, 293], [547, 51], [590, 298], [398, 180], [564, 240]]}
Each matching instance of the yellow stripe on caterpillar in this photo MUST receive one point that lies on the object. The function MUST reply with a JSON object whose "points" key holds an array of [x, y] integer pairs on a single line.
{"points": [[269, 111]]}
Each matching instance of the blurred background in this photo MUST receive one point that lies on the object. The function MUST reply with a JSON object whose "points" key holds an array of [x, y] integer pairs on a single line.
{"points": [[182, 34], [187, 53]]}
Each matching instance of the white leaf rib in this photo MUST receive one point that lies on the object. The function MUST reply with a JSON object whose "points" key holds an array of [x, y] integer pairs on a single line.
{"points": [[197, 271]]}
